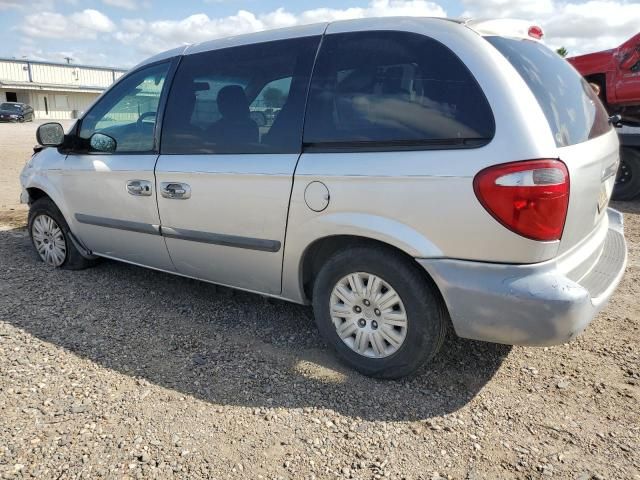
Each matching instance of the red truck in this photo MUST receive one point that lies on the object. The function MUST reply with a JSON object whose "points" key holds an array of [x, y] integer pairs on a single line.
{"points": [[616, 72]]}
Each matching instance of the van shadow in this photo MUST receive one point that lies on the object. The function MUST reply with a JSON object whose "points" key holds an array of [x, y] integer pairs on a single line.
{"points": [[220, 347]]}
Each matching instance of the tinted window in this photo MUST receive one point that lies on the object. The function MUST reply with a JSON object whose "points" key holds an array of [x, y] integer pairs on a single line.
{"points": [[10, 106], [573, 110], [394, 88], [128, 111], [269, 102], [247, 99]]}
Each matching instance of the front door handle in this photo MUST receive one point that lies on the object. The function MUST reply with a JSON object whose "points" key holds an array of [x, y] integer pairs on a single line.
{"points": [[175, 190], [139, 188]]}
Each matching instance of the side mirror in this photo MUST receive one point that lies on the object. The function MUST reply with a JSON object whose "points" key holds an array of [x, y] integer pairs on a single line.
{"points": [[616, 120], [100, 142], [625, 120], [50, 134]]}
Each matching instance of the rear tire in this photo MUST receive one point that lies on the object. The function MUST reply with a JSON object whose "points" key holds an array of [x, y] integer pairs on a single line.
{"points": [[627, 185], [369, 338], [49, 234]]}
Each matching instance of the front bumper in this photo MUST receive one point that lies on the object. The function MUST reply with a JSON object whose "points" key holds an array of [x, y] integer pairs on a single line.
{"points": [[539, 304]]}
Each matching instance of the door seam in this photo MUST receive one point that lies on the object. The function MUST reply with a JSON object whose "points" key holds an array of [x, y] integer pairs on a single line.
{"points": [[295, 168], [164, 239]]}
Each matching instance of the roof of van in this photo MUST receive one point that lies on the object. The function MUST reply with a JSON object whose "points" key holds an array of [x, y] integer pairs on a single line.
{"points": [[506, 27], [289, 32]]}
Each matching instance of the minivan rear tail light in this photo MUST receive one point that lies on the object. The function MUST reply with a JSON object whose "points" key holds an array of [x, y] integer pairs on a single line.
{"points": [[530, 198]]}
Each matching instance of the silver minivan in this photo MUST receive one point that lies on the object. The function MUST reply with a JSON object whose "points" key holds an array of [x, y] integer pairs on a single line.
{"points": [[399, 174]]}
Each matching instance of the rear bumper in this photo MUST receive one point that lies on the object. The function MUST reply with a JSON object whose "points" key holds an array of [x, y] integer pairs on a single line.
{"points": [[539, 304]]}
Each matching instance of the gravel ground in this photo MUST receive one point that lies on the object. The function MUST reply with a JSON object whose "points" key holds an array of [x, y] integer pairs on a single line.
{"points": [[122, 372]]}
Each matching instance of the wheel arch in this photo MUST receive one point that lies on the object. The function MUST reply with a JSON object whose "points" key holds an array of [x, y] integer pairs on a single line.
{"points": [[39, 187], [321, 249], [319, 236], [36, 193]]}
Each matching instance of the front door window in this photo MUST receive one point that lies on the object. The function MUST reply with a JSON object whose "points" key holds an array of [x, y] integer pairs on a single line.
{"points": [[128, 112]]}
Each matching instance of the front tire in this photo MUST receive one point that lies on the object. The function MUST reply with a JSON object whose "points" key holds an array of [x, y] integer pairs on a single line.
{"points": [[49, 234], [379, 311]]}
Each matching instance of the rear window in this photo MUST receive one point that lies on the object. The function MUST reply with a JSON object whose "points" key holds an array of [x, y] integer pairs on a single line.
{"points": [[10, 106], [391, 89], [573, 110]]}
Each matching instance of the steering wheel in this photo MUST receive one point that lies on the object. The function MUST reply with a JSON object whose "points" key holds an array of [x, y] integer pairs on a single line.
{"points": [[143, 116]]}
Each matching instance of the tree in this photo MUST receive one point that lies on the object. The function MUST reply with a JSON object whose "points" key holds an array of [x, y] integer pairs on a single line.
{"points": [[273, 98], [563, 52]]}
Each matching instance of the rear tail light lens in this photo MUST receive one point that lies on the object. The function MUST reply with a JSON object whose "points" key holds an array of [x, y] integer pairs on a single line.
{"points": [[530, 198]]}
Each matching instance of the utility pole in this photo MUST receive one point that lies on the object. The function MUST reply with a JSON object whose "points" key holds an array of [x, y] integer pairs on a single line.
{"points": [[68, 59]]}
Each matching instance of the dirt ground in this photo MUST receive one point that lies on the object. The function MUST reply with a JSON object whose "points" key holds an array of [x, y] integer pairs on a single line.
{"points": [[122, 372]]}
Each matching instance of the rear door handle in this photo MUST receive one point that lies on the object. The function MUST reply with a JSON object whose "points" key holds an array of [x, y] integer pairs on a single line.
{"points": [[175, 190], [139, 188]]}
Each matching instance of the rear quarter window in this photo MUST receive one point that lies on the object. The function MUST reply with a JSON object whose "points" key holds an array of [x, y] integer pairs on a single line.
{"points": [[573, 110], [387, 89]]}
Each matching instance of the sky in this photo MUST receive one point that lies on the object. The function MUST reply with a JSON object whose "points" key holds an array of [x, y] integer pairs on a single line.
{"points": [[121, 33]]}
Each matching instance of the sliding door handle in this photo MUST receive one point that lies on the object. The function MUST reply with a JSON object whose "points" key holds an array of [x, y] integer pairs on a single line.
{"points": [[175, 190]]}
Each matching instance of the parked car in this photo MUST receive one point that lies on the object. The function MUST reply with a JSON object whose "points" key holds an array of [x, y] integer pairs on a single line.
{"points": [[421, 172], [15, 112]]}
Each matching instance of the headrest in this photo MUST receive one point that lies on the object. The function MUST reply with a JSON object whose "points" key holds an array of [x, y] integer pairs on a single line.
{"points": [[232, 102]]}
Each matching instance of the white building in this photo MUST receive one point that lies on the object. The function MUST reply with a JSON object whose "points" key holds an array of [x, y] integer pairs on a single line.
{"points": [[54, 90]]}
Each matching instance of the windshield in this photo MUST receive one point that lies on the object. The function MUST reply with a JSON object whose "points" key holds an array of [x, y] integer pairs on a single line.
{"points": [[573, 110], [10, 106]]}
